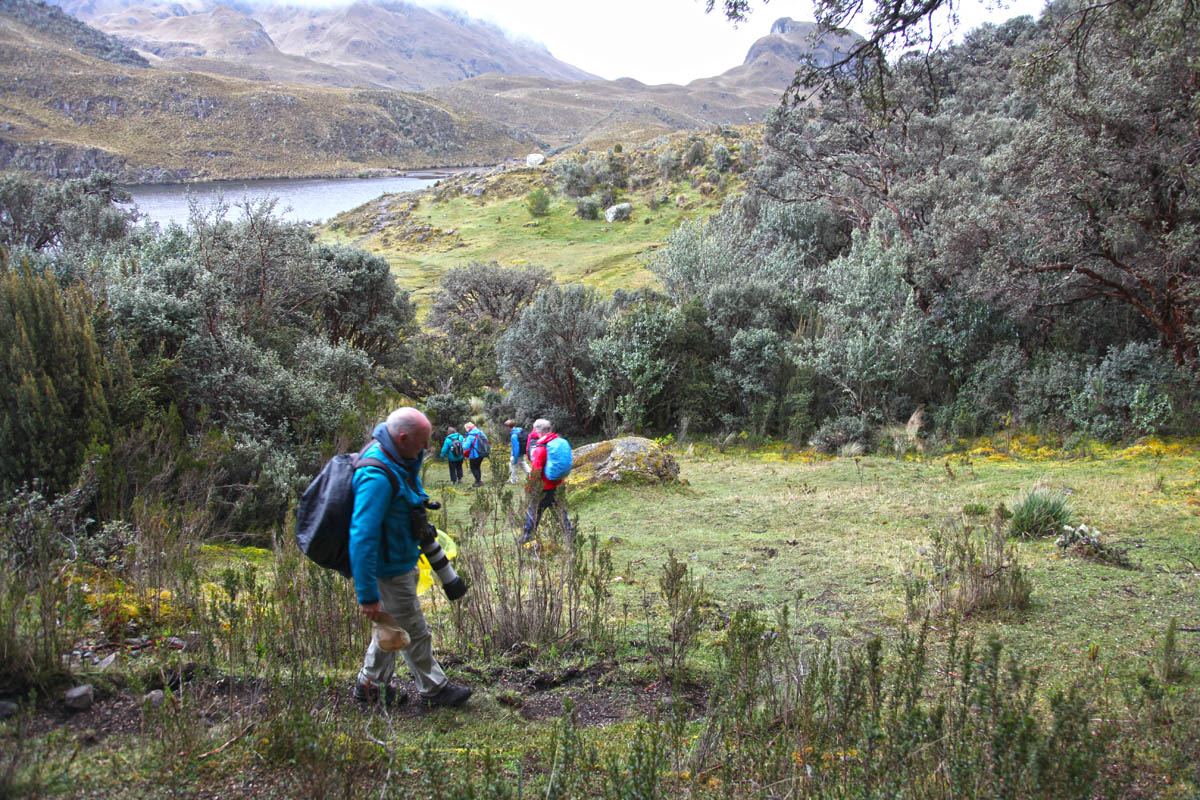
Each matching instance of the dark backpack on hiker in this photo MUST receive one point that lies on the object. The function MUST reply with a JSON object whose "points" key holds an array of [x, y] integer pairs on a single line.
{"points": [[456, 449], [483, 448], [324, 511], [522, 442]]}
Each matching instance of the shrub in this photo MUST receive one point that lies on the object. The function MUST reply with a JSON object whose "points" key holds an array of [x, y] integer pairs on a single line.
{"points": [[587, 208], [967, 570], [446, 410], [1040, 513], [696, 154], [834, 434], [668, 163], [538, 202], [1128, 394], [58, 387], [721, 157]]}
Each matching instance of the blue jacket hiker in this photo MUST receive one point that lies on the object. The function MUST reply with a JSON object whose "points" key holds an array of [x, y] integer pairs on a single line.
{"points": [[453, 452], [476, 447], [383, 558], [516, 439]]}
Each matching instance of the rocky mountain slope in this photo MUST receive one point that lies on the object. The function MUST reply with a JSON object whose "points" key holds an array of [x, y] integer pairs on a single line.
{"points": [[64, 112], [379, 43], [223, 100]]}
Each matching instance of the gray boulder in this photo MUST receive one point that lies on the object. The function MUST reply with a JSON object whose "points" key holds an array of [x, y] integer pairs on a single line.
{"points": [[629, 459], [534, 160], [618, 213], [80, 698]]}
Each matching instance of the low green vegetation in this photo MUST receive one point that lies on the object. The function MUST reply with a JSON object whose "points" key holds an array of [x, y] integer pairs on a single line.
{"points": [[760, 614], [451, 226]]}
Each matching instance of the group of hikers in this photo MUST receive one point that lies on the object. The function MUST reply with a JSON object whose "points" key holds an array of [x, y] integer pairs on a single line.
{"points": [[388, 511]]}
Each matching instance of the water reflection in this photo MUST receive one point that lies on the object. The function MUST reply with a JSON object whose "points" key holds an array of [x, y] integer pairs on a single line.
{"points": [[302, 200]]}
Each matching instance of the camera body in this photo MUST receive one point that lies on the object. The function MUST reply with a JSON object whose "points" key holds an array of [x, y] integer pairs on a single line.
{"points": [[426, 535]]}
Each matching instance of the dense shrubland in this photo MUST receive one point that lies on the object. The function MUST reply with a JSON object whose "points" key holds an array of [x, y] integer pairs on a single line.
{"points": [[235, 351], [1003, 234]]}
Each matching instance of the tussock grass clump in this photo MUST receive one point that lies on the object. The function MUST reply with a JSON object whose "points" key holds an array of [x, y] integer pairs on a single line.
{"points": [[1041, 513]]}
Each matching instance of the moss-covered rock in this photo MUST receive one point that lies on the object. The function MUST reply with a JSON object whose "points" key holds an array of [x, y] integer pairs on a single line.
{"points": [[630, 459]]}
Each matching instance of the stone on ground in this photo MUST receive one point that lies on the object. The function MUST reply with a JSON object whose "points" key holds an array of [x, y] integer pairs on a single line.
{"points": [[627, 459], [80, 698]]}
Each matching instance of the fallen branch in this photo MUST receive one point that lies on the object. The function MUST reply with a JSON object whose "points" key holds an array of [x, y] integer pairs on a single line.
{"points": [[245, 730]]}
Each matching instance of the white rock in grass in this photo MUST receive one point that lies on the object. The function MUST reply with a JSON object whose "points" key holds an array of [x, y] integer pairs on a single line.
{"points": [[80, 698]]}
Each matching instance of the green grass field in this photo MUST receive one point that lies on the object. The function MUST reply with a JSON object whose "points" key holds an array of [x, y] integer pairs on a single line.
{"points": [[758, 528]]}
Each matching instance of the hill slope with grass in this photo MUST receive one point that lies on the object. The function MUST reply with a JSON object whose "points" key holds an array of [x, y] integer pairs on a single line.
{"points": [[485, 216]]}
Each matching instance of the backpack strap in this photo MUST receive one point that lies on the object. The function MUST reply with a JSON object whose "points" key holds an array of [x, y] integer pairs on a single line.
{"points": [[395, 484]]}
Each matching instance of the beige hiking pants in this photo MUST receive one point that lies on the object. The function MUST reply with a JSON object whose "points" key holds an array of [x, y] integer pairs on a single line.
{"points": [[398, 597]]}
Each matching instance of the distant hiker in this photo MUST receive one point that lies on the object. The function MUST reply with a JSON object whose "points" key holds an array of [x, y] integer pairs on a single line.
{"points": [[477, 447], [452, 451], [543, 489], [383, 558], [516, 438]]}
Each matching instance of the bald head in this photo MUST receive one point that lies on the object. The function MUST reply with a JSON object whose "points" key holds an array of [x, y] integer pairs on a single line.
{"points": [[410, 430]]}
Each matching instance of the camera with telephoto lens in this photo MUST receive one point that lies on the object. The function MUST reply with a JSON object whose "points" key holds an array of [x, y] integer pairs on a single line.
{"points": [[426, 536]]}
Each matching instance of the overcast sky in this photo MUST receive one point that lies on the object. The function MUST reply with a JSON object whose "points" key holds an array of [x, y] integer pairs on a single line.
{"points": [[663, 41]]}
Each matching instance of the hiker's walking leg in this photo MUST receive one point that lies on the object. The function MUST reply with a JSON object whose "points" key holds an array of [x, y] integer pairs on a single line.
{"points": [[398, 596], [533, 513], [378, 664], [568, 529], [477, 469]]}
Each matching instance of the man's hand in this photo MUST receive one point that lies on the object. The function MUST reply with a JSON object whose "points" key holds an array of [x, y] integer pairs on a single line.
{"points": [[371, 611]]}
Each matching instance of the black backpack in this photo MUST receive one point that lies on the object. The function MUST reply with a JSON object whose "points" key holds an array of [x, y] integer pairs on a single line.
{"points": [[324, 511], [522, 442], [456, 450]]}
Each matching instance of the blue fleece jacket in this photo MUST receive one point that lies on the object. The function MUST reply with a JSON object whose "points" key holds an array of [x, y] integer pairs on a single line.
{"points": [[514, 440], [446, 454], [374, 507]]}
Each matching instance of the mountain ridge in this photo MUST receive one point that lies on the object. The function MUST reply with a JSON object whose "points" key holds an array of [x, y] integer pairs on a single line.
{"points": [[198, 115]]}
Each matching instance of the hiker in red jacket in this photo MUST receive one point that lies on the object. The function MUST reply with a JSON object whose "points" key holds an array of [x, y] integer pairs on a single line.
{"points": [[543, 492]]}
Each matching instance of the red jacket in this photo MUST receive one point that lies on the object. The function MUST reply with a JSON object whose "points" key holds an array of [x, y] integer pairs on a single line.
{"points": [[537, 459]]}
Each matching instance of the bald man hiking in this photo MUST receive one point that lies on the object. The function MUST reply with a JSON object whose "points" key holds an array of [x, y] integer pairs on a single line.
{"points": [[383, 559]]}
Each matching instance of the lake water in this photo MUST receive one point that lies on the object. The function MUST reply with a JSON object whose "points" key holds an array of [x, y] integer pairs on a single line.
{"points": [[301, 200]]}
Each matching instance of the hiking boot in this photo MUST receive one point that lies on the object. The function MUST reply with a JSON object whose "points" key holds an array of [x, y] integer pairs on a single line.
{"points": [[449, 696], [367, 692], [476, 484]]}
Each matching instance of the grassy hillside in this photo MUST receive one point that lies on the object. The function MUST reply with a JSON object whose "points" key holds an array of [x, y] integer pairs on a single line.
{"points": [[63, 112], [483, 217]]}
